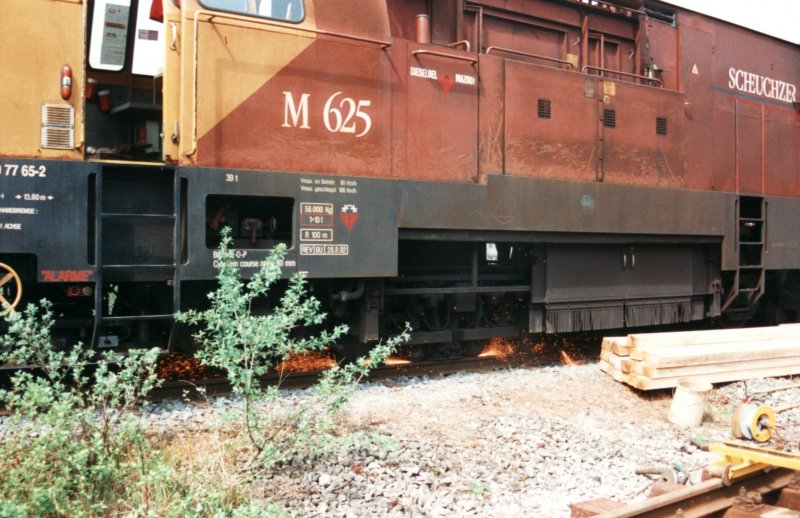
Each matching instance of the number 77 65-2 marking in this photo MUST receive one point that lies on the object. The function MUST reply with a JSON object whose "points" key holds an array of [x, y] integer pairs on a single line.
{"points": [[28, 171]]}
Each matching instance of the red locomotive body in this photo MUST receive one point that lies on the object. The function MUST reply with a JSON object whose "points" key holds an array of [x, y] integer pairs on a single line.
{"points": [[478, 168]]}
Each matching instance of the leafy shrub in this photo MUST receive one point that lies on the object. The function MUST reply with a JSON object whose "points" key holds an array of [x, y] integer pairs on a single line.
{"points": [[71, 446], [247, 345]]}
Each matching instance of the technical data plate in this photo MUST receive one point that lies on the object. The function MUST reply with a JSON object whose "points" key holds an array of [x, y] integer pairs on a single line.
{"points": [[44, 211], [340, 226]]}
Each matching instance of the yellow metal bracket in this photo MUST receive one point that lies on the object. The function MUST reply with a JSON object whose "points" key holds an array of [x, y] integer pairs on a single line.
{"points": [[739, 460]]}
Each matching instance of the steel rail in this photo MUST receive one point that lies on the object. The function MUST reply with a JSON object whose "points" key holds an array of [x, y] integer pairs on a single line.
{"points": [[220, 386], [703, 499]]}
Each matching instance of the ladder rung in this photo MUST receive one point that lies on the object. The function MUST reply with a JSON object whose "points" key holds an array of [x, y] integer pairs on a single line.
{"points": [[138, 266], [134, 215], [134, 318]]}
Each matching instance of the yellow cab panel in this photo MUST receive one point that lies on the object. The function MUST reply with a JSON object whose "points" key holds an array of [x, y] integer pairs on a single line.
{"points": [[41, 94]]}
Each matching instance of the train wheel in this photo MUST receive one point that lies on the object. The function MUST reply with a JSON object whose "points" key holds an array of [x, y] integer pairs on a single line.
{"points": [[10, 289]]}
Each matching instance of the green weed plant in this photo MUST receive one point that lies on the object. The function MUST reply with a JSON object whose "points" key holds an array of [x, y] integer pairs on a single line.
{"points": [[71, 445], [248, 344], [74, 445]]}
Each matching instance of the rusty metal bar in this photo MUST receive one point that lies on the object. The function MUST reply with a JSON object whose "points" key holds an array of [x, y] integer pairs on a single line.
{"points": [[637, 49], [529, 55], [445, 55], [702, 499], [584, 39], [619, 72]]}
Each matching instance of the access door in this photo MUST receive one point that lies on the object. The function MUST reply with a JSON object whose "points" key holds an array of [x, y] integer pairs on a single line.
{"points": [[281, 85]]}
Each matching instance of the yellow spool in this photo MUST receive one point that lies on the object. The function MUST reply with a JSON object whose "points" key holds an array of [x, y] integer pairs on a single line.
{"points": [[755, 422]]}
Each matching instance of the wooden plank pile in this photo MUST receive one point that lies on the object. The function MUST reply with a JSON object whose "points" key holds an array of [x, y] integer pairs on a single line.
{"points": [[659, 360]]}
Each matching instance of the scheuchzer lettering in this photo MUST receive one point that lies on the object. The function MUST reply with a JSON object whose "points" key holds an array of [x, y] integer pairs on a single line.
{"points": [[762, 86]]}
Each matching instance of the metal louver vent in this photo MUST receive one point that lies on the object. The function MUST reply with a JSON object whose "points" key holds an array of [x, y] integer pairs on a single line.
{"points": [[58, 126], [544, 108], [610, 118], [661, 126]]}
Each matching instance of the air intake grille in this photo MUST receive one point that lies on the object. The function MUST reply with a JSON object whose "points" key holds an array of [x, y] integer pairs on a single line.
{"points": [[543, 107], [610, 118], [661, 126], [58, 126]]}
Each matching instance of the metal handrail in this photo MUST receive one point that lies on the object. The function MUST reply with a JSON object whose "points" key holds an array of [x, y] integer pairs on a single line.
{"points": [[257, 22], [462, 42], [283, 25], [529, 55], [628, 74], [471, 60]]}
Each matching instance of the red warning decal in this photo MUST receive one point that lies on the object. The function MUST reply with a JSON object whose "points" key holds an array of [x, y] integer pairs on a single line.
{"points": [[349, 215], [66, 275], [446, 81]]}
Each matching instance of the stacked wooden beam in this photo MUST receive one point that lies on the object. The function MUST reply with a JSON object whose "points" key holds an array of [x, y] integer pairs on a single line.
{"points": [[659, 360]]}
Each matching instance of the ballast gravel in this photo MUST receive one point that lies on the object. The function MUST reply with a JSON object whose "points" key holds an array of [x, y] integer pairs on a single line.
{"points": [[512, 442]]}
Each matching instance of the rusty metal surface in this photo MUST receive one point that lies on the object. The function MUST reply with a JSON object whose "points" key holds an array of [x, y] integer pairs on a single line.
{"points": [[363, 18], [521, 204], [700, 164], [633, 150], [332, 101], [441, 115], [703, 499], [562, 144]]}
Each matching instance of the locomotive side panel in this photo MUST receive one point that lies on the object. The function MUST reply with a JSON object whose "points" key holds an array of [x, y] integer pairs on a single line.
{"points": [[697, 65], [551, 125], [753, 90], [781, 152], [491, 133], [45, 210], [437, 107], [42, 102], [332, 99], [642, 135]]}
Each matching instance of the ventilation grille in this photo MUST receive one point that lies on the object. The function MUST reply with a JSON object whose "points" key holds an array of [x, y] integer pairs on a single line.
{"points": [[610, 118], [661, 126], [58, 126], [543, 108], [568, 318], [660, 313]]}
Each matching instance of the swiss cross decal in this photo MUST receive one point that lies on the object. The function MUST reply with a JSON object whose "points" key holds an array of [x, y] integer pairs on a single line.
{"points": [[349, 215]]}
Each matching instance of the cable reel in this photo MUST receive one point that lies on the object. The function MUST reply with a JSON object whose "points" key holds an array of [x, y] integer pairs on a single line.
{"points": [[753, 422]]}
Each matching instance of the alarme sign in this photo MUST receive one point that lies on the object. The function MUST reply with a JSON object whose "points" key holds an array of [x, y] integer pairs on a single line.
{"points": [[750, 83]]}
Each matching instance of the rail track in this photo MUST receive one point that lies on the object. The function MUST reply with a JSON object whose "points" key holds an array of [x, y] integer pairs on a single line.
{"points": [[774, 493], [220, 386]]}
